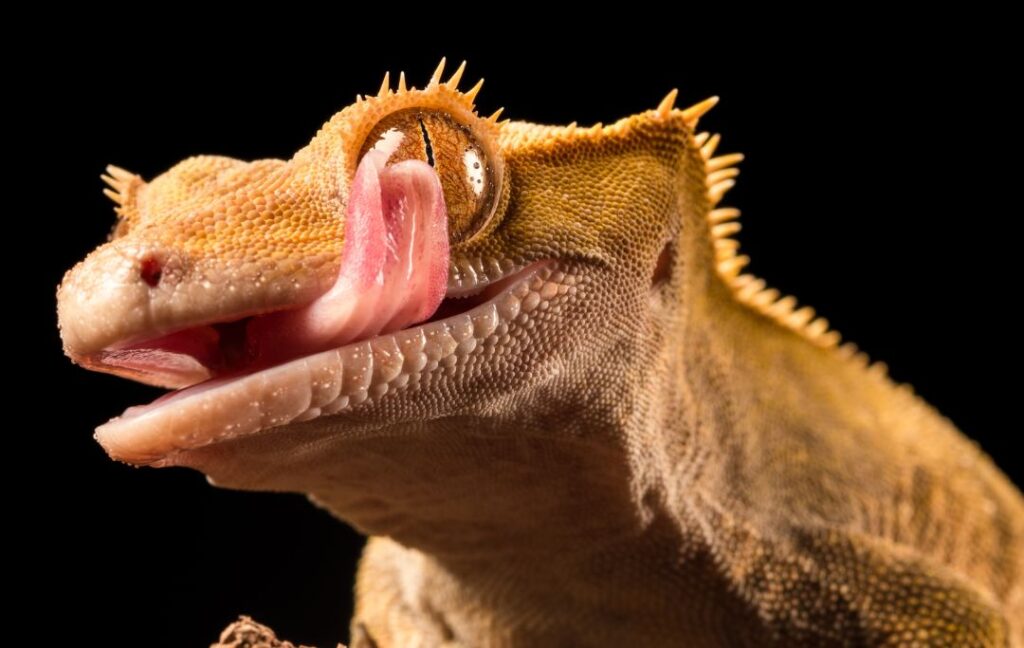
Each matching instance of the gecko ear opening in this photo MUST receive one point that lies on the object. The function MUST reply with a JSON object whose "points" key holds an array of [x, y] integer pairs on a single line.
{"points": [[663, 267]]}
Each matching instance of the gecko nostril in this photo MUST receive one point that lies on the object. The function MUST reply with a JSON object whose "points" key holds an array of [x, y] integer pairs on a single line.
{"points": [[150, 269]]}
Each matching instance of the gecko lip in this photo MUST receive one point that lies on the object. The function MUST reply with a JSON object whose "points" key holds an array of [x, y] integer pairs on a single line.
{"points": [[197, 354], [328, 382]]}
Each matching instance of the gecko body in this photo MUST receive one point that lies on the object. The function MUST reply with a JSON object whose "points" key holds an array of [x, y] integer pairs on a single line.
{"points": [[526, 360]]}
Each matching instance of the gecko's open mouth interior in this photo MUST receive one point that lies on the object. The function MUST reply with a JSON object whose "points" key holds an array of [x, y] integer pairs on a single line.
{"points": [[227, 349]]}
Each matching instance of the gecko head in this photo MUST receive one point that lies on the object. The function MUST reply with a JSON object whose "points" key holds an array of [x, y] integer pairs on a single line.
{"points": [[415, 262]]}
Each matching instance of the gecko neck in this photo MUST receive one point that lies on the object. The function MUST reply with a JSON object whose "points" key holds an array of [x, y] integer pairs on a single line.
{"points": [[587, 506]]}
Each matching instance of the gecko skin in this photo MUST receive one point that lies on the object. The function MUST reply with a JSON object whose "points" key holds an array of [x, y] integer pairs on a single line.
{"points": [[606, 434]]}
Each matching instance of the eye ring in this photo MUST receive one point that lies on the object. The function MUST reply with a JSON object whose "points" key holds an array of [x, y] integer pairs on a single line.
{"points": [[470, 172]]}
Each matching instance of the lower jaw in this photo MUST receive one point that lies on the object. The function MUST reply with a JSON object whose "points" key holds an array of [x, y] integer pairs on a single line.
{"points": [[326, 383]]}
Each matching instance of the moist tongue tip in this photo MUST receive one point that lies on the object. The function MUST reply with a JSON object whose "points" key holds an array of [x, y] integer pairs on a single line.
{"points": [[394, 265]]}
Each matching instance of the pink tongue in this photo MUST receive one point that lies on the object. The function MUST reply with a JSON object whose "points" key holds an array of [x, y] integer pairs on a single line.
{"points": [[394, 267]]}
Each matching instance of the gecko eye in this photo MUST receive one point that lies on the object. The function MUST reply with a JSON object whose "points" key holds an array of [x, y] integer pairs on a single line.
{"points": [[469, 176]]}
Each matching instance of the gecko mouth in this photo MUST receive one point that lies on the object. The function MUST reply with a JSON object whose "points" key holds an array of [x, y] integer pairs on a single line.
{"points": [[383, 323], [328, 382], [244, 346]]}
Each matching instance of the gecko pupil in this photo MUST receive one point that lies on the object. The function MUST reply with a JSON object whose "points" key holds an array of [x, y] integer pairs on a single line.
{"points": [[426, 142], [465, 170]]}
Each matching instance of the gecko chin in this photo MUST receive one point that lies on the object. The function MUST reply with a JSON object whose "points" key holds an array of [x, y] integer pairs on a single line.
{"points": [[354, 376]]}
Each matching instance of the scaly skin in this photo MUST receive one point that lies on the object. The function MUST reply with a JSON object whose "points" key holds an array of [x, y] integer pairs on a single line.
{"points": [[655, 450]]}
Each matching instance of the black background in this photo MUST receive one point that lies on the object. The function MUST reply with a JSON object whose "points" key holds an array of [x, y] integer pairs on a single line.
{"points": [[874, 189]]}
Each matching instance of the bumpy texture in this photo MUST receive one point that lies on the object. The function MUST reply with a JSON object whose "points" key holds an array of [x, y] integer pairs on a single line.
{"points": [[635, 445]]}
